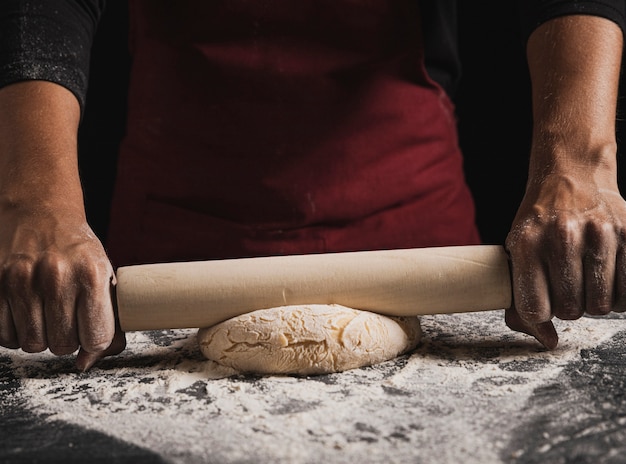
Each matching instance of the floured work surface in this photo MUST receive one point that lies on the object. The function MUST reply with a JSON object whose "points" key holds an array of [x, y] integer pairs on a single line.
{"points": [[472, 392]]}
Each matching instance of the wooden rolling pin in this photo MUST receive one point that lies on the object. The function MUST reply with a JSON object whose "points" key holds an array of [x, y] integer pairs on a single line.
{"points": [[392, 282]]}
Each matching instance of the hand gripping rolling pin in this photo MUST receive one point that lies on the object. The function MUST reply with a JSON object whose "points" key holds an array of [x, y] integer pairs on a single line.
{"points": [[392, 282]]}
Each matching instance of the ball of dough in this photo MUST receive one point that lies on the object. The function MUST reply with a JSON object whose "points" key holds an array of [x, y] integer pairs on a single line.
{"points": [[308, 339]]}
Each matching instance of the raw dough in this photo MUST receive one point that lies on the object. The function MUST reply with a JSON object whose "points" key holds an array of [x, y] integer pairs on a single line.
{"points": [[308, 339]]}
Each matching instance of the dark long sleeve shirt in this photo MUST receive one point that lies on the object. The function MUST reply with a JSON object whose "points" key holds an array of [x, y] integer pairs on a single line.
{"points": [[51, 39]]}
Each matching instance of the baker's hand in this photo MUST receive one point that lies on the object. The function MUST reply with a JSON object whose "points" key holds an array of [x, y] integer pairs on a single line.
{"points": [[568, 251], [567, 240], [55, 287]]}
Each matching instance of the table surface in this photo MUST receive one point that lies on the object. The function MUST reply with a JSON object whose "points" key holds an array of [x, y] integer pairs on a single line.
{"points": [[472, 392]]}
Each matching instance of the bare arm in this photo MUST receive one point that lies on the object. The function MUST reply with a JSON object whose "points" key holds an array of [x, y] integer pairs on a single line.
{"points": [[55, 277], [567, 242]]}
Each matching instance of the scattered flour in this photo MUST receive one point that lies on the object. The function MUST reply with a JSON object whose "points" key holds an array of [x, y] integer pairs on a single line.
{"points": [[451, 400]]}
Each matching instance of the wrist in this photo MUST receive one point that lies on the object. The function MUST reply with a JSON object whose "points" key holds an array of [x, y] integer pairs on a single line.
{"points": [[556, 156]]}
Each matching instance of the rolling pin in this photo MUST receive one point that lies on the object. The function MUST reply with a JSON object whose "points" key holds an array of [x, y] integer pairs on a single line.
{"points": [[392, 282]]}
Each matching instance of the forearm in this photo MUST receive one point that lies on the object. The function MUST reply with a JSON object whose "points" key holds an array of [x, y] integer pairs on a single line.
{"points": [[55, 277], [574, 64], [38, 147]]}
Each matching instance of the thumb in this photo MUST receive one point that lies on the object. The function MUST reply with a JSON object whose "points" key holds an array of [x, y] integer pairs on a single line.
{"points": [[544, 332], [85, 360]]}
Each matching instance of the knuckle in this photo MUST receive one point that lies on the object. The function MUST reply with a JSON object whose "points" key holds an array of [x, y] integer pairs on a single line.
{"points": [[93, 273], [567, 228], [522, 238], [18, 273], [564, 238], [53, 269], [598, 233]]}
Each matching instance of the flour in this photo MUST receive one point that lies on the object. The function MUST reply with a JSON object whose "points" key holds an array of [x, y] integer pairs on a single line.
{"points": [[451, 400]]}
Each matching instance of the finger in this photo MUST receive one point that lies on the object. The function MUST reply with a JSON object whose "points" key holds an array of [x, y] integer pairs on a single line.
{"points": [[59, 301], [86, 360], [619, 304], [566, 283], [599, 273], [8, 335], [61, 327], [532, 311], [544, 332], [96, 320], [25, 305], [530, 290]]}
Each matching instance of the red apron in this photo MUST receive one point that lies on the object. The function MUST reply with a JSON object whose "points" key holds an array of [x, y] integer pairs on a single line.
{"points": [[282, 127]]}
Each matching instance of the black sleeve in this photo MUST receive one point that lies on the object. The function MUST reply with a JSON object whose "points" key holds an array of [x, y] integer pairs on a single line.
{"points": [[48, 40], [533, 13], [439, 30]]}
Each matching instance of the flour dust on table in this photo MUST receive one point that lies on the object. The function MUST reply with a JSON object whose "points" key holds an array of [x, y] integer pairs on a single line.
{"points": [[472, 391]]}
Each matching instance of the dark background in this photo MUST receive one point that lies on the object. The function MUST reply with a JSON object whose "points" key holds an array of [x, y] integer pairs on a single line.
{"points": [[493, 107]]}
